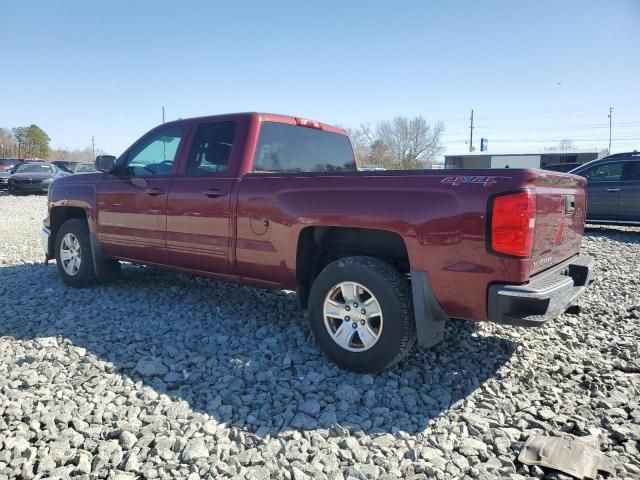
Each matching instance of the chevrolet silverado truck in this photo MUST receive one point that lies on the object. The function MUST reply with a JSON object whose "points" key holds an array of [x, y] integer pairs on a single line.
{"points": [[381, 259]]}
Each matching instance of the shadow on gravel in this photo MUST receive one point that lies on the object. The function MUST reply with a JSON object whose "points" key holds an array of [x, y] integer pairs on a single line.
{"points": [[614, 233], [244, 356]]}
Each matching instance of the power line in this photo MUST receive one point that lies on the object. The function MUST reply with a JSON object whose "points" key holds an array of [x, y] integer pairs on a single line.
{"points": [[579, 139], [633, 124], [536, 116]]}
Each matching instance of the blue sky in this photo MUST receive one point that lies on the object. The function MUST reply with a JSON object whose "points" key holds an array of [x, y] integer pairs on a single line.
{"points": [[534, 72]]}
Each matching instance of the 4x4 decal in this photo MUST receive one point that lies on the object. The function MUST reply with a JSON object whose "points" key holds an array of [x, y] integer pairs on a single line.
{"points": [[485, 181]]}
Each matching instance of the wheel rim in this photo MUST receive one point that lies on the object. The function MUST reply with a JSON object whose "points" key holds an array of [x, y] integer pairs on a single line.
{"points": [[70, 254], [352, 316]]}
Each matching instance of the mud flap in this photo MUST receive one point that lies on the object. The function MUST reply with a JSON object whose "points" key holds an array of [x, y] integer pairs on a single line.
{"points": [[102, 268], [429, 316]]}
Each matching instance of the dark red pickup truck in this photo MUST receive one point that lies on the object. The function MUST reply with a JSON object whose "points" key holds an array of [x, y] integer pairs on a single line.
{"points": [[379, 258]]}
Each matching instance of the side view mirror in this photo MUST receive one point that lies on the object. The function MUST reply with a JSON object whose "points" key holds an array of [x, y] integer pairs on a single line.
{"points": [[105, 163]]}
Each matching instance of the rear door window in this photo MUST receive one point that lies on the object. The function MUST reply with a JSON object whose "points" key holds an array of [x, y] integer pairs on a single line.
{"points": [[211, 148], [633, 171], [293, 149]]}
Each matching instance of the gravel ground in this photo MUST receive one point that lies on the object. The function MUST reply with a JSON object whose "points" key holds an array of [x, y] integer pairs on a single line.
{"points": [[161, 375]]}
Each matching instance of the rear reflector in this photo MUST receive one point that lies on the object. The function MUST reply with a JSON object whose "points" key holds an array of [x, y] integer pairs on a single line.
{"points": [[513, 219], [303, 122]]}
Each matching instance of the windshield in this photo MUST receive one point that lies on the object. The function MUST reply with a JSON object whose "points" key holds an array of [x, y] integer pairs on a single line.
{"points": [[35, 169]]}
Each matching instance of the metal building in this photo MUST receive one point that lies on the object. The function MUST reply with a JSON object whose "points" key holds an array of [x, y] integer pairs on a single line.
{"points": [[520, 159]]}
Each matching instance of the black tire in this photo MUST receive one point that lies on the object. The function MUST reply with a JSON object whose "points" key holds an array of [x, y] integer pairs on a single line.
{"points": [[392, 292], [85, 276]]}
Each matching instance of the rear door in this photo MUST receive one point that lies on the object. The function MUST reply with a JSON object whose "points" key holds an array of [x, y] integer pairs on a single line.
{"points": [[603, 190], [199, 203], [132, 202], [629, 203]]}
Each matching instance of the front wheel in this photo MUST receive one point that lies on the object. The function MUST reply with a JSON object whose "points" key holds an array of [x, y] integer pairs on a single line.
{"points": [[73, 254], [361, 314]]}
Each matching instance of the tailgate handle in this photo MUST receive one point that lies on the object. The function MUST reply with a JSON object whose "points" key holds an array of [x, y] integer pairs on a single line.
{"points": [[613, 189], [570, 204]]}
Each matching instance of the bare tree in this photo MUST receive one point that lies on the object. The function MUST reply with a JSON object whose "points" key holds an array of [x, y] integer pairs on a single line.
{"points": [[7, 143], [363, 140], [413, 143]]}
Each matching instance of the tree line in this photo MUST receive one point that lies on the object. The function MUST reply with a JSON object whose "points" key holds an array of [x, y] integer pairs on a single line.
{"points": [[30, 142], [34, 142]]}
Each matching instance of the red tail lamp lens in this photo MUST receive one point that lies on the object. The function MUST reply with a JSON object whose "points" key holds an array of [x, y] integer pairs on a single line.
{"points": [[513, 223]]}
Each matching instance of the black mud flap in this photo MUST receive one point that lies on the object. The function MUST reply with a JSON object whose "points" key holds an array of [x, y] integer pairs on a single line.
{"points": [[101, 267], [429, 316]]}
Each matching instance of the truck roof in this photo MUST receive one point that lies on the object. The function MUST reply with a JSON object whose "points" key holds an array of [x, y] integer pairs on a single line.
{"points": [[266, 117]]}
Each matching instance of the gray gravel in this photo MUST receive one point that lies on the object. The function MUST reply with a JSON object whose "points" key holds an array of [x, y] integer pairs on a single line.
{"points": [[162, 375]]}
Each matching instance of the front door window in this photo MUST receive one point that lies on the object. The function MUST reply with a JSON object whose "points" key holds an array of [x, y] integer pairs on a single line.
{"points": [[155, 154]]}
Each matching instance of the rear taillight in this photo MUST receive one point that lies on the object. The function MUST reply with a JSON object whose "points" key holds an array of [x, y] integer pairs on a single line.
{"points": [[513, 219]]}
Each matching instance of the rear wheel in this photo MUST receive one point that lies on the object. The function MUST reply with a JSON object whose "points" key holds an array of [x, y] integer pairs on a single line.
{"points": [[361, 314]]}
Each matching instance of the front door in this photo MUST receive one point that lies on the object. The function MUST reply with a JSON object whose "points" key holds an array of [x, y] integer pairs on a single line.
{"points": [[198, 208], [603, 190], [629, 210], [132, 201]]}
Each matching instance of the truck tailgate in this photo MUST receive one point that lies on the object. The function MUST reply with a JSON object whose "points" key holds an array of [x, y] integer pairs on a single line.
{"points": [[560, 218]]}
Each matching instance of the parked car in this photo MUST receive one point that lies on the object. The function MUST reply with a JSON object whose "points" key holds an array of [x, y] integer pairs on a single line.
{"points": [[65, 165], [4, 178], [613, 189], [84, 168], [21, 161], [34, 177], [561, 167], [276, 201], [9, 163]]}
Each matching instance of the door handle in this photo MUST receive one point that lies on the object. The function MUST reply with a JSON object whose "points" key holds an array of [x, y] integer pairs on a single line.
{"points": [[613, 189], [215, 193], [153, 192]]}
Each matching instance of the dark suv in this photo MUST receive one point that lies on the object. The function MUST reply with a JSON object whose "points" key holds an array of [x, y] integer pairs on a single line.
{"points": [[613, 191]]}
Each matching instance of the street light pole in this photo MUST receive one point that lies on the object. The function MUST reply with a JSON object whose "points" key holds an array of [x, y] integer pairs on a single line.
{"points": [[471, 133]]}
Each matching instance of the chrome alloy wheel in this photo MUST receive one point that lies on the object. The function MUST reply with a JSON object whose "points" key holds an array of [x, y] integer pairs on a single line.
{"points": [[352, 316], [70, 254]]}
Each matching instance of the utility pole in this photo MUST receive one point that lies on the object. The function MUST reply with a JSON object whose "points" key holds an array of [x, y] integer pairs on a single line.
{"points": [[93, 147], [471, 133], [610, 119], [163, 114]]}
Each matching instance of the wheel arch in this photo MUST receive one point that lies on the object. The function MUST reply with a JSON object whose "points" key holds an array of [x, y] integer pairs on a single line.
{"points": [[320, 245], [60, 214]]}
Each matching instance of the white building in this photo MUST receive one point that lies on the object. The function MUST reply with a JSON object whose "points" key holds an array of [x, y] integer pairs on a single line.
{"points": [[520, 159]]}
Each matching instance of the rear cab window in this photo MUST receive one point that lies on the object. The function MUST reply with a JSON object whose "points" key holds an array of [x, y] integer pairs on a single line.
{"points": [[284, 148]]}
